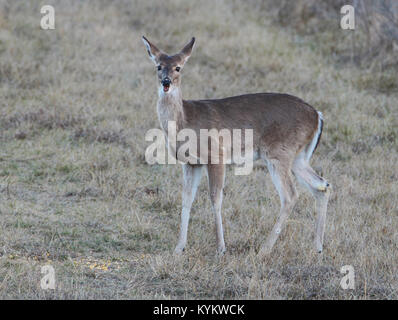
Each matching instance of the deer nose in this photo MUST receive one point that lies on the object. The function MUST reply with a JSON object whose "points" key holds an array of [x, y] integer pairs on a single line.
{"points": [[166, 81]]}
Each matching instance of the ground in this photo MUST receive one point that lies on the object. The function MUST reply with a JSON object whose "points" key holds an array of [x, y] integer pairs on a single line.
{"points": [[76, 192]]}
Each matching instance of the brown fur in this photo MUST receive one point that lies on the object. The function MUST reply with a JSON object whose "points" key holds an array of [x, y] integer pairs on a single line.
{"points": [[279, 121]]}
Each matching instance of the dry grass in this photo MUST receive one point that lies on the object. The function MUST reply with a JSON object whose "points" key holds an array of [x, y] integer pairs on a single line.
{"points": [[75, 191]]}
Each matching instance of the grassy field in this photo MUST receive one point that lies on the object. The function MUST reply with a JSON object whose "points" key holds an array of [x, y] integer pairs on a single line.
{"points": [[76, 192]]}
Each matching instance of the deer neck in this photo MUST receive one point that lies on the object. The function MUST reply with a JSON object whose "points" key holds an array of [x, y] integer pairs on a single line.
{"points": [[170, 108]]}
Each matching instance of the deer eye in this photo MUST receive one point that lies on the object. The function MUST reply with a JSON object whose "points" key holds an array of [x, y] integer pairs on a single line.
{"points": [[178, 69], [159, 68]]}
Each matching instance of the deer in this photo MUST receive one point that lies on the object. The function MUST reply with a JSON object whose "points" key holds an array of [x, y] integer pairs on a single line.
{"points": [[286, 132]]}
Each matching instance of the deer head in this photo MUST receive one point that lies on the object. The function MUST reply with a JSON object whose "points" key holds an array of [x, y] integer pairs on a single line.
{"points": [[168, 67]]}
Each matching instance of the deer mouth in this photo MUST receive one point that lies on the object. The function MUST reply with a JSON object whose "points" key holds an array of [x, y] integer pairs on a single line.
{"points": [[166, 87], [166, 84]]}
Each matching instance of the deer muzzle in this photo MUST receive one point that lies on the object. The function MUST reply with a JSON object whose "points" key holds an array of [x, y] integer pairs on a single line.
{"points": [[166, 84]]}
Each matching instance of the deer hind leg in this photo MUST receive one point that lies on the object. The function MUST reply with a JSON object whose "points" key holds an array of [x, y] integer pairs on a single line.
{"points": [[282, 178], [191, 175], [320, 189], [216, 175]]}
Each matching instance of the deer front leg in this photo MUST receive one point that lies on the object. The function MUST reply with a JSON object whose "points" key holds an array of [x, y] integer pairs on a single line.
{"points": [[216, 174], [191, 179]]}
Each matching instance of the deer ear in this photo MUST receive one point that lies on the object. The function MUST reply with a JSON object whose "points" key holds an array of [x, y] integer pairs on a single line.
{"points": [[153, 51], [187, 50]]}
